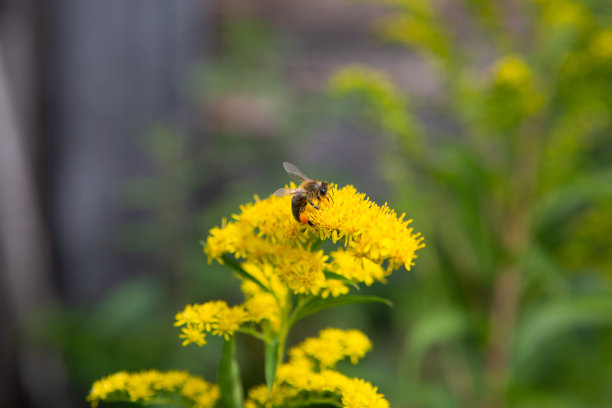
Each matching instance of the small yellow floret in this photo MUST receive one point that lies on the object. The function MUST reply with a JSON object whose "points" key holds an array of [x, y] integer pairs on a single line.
{"points": [[228, 321], [193, 334]]}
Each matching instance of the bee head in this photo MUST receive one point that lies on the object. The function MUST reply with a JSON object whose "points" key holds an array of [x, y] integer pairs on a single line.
{"points": [[323, 189]]}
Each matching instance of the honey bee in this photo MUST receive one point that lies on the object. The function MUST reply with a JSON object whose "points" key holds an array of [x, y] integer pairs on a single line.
{"points": [[307, 191]]}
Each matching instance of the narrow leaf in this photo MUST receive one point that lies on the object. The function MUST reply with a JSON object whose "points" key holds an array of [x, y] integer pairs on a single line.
{"points": [[230, 384], [343, 279], [547, 323], [271, 362], [240, 271], [318, 304], [436, 328]]}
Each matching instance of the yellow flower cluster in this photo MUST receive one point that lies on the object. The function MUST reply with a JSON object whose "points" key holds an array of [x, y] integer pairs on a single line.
{"points": [[154, 387], [216, 317], [331, 346], [264, 307], [265, 233], [369, 231], [308, 370], [260, 307]]}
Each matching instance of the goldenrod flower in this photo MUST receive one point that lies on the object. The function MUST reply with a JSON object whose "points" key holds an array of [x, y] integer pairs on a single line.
{"points": [[285, 278], [358, 393], [308, 370], [333, 345], [266, 233], [228, 321], [153, 385], [357, 270], [369, 231], [193, 333], [334, 288], [215, 317]]}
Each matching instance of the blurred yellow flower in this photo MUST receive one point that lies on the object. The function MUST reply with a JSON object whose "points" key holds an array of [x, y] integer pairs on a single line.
{"points": [[601, 45], [193, 334], [382, 101], [333, 345], [564, 13], [154, 386], [512, 71]]}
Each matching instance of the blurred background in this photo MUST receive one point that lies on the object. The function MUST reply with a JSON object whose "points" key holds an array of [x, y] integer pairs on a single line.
{"points": [[128, 129]]}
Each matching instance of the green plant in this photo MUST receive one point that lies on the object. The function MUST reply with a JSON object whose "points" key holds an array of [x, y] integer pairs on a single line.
{"points": [[285, 278], [511, 183]]}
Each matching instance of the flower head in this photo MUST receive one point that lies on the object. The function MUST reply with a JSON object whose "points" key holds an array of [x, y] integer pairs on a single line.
{"points": [[309, 370], [265, 234], [333, 345], [153, 385], [215, 317]]}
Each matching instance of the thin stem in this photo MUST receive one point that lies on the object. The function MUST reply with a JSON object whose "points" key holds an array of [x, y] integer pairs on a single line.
{"points": [[229, 380], [284, 330], [252, 332], [302, 302]]}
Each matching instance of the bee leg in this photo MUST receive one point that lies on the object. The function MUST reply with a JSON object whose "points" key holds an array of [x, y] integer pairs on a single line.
{"points": [[313, 204]]}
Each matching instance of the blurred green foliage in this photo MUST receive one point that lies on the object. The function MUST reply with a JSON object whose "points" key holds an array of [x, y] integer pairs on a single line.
{"points": [[510, 181]]}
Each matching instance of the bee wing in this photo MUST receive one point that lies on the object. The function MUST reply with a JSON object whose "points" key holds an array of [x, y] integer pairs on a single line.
{"points": [[295, 173], [283, 192]]}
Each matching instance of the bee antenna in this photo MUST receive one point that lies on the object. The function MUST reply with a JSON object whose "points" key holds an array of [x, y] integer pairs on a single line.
{"points": [[331, 197]]}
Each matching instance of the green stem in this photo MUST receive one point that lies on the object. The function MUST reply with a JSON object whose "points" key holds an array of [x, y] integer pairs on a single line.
{"points": [[275, 347], [293, 316], [230, 384], [284, 331], [252, 332]]}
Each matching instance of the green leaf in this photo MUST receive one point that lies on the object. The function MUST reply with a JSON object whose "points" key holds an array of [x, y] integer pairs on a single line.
{"points": [[271, 362], [552, 320], [435, 328], [227, 260], [230, 384], [318, 304], [335, 276], [554, 208]]}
